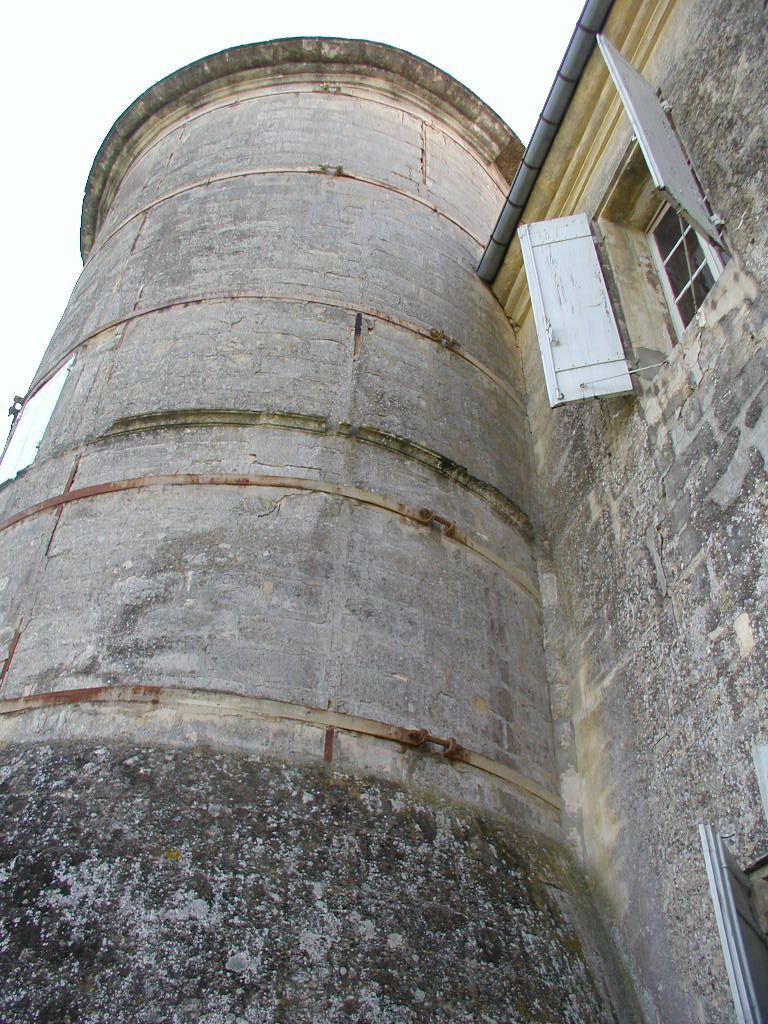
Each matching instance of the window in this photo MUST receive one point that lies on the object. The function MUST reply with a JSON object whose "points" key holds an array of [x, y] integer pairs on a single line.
{"points": [[688, 265], [30, 425], [578, 320]]}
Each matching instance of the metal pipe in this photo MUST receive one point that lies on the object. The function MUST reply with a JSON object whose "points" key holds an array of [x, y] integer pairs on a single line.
{"points": [[576, 56]]}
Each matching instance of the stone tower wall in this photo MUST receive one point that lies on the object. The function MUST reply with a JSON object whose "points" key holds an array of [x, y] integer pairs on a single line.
{"points": [[279, 312]]}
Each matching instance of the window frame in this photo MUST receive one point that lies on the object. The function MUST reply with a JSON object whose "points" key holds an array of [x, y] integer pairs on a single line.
{"points": [[712, 259]]}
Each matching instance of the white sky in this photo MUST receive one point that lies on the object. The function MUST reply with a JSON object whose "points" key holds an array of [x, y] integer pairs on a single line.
{"points": [[70, 69]]}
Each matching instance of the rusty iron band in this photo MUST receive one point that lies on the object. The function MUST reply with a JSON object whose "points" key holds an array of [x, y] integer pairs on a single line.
{"points": [[432, 334], [327, 172], [421, 516], [11, 651], [227, 703]]}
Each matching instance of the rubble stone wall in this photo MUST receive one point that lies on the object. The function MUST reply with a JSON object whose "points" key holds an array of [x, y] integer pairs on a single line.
{"points": [[652, 512]]}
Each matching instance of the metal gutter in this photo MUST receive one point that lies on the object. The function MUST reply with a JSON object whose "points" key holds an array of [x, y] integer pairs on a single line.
{"points": [[576, 56]]}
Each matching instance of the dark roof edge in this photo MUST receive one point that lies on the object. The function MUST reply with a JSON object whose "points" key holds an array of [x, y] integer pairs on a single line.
{"points": [[569, 73], [116, 152]]}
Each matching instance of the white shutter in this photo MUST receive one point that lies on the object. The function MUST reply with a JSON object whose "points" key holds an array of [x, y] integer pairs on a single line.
{"points": [[581, 349], [30, 425], [744, 948], [660, 146]]}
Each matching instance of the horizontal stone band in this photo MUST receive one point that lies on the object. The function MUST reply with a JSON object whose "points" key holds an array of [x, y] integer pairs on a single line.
{"points": [[444, 467], [344, 90]]}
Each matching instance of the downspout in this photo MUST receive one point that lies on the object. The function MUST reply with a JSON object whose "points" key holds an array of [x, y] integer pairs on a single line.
{"points": [[576, 56]]}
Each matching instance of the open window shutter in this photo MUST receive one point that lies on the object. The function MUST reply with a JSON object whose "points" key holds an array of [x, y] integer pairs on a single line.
{"points": [[760, 754], [581, 349], [744, 948], [30, 425], [663, 153]]}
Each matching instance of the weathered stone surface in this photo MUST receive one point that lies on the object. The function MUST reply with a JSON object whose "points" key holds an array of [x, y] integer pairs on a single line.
{"points": [[160, 886], [660, 568]]}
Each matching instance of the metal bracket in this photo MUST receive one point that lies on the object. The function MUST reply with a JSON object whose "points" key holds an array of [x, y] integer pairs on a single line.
{"points": [[451, 749], [438, 334], [428, 518]]}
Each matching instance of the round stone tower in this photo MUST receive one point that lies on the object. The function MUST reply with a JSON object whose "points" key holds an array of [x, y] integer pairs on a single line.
{"points": [[269, 609]]}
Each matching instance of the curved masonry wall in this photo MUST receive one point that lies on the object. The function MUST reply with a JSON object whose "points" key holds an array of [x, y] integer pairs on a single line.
{"points": [[281, 293], [281, 506]]}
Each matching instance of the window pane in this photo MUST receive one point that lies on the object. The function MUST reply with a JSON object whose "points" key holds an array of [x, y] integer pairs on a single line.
{"points": [[686, 307], [702, 284], [667, 232], [695, 254], [685, 262], [677, 270]]}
